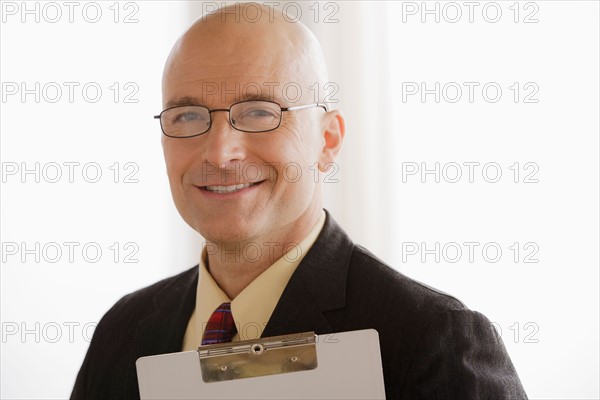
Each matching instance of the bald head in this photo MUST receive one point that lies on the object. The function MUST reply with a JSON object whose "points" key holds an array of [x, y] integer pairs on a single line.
{"points": [[244, 50]]}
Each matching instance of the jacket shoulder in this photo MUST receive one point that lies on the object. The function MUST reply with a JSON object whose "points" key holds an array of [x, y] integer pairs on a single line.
{"points": [[108, 370], [121, 320], [396, 287], [144, 298], [433, 346]]}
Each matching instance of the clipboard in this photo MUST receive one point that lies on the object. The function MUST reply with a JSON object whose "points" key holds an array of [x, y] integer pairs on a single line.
{"points": [[344, 365]]}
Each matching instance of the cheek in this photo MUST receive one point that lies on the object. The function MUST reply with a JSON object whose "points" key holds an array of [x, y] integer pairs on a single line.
{"points": [[296, 151], [298, 141], [175, 160]]}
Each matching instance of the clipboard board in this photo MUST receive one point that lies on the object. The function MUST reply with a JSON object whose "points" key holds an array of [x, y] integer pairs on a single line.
{"points": [[344, 365]]}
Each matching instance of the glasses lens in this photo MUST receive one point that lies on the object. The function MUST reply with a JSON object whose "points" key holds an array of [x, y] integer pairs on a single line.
{"points": [[255, 116], [185, 121]]}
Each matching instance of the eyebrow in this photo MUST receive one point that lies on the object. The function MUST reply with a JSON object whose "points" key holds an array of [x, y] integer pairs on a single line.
{"points": [[194, 101], [183, 101]]}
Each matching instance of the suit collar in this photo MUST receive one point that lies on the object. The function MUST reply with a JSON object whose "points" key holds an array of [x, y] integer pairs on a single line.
{"points": [[317, 285]]}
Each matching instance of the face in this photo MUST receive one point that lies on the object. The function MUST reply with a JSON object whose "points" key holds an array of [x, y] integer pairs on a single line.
{"points": [[280, 165]]}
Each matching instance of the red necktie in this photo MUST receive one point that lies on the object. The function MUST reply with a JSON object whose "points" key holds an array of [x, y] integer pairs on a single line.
{"points": [[220, 327]]}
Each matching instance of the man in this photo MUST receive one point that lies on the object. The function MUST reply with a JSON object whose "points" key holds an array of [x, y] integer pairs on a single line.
{"points": [[275, 262]]}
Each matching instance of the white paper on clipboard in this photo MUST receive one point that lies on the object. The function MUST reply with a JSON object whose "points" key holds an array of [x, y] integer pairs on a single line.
{"points": [[349, 367]]}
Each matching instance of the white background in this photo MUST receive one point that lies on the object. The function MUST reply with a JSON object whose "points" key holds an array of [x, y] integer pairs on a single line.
{"points": [[546, 311]]}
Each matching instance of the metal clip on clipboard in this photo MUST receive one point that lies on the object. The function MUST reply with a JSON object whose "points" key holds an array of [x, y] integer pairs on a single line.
{"points": [[259, 357], [349, 367]]}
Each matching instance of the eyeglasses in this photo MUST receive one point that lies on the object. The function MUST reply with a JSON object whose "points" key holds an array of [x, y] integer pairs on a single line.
{"points": [[246, 116]]}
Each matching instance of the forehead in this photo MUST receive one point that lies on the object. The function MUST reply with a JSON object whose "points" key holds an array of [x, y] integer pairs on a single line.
{"points": [[223, 68], [215, 90]]}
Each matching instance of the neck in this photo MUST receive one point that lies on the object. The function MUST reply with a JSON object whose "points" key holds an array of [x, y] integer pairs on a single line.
{"points": [[234, 265]]}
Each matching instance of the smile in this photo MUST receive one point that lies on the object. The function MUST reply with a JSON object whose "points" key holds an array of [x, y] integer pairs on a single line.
{"points": [[230, 188]]}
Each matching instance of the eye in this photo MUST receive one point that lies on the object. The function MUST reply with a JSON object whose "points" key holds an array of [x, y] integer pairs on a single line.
{"points": [[259, 113], [187, 116]]}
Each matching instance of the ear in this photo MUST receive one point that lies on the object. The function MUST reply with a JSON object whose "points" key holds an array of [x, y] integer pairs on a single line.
{"points": [[333, 128]]}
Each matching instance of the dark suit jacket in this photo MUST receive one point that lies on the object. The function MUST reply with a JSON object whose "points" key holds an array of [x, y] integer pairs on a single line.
{"points": [[432, 346]]}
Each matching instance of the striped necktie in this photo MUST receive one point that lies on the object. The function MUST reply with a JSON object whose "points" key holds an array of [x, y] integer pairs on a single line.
{"points": [[220, 327]]}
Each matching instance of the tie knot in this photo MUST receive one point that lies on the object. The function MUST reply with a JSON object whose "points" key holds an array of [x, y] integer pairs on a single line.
{"points": [[220, 328]]}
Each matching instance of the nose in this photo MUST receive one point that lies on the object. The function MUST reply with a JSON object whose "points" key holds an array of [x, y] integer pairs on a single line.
{"points": [[223, 145]]}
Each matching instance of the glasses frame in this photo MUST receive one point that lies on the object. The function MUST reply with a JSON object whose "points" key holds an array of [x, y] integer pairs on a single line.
{"points": [[228, 110]]}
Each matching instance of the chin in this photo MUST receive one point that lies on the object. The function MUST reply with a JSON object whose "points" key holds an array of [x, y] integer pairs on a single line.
{"points": [[225, 232]]}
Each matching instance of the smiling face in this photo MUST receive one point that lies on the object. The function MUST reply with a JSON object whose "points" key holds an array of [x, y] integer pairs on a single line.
{"points": [[218, 64]]}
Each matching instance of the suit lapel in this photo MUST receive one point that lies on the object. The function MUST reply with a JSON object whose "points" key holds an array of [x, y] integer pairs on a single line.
{"points": [[162, 329], [317, 285]]}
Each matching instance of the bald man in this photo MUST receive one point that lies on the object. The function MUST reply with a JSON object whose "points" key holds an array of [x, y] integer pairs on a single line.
{"points": [[245, 143]]}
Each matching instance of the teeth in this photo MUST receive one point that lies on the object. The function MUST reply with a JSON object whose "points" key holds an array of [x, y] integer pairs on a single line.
{"points": [[229, 189]]}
